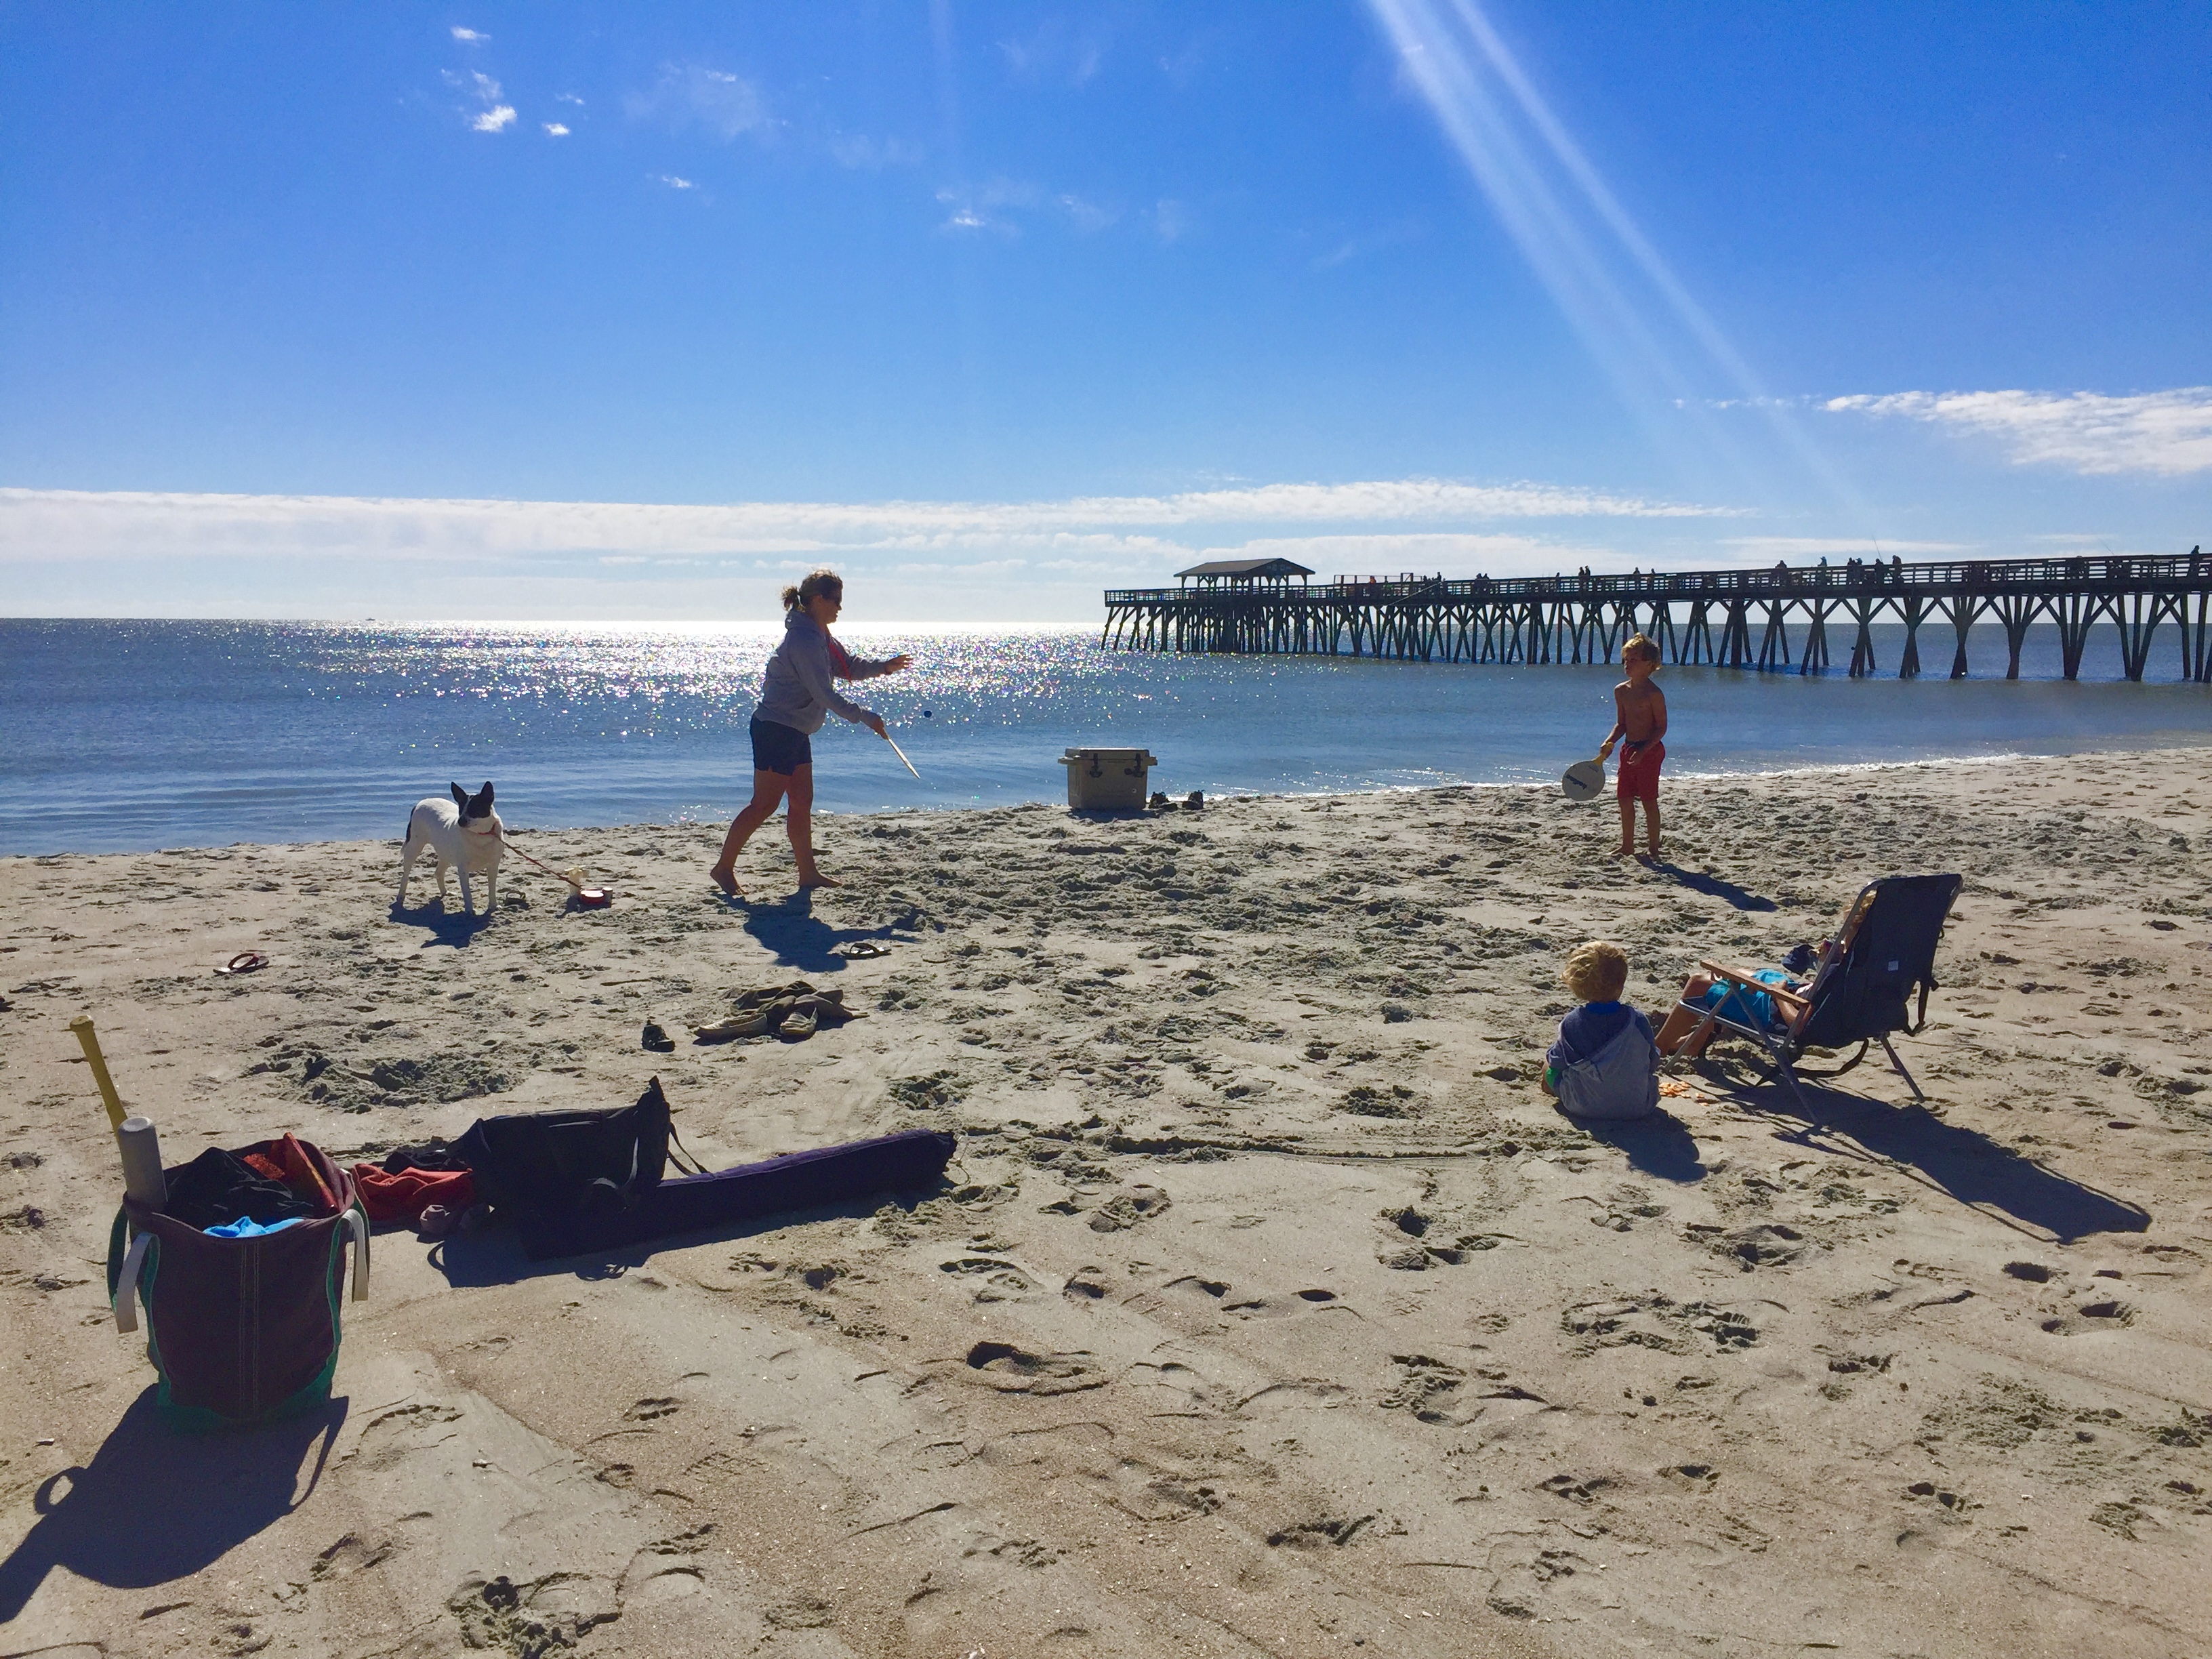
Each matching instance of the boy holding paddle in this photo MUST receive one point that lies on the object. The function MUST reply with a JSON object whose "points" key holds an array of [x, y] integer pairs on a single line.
{"points": [[1640, 717]]}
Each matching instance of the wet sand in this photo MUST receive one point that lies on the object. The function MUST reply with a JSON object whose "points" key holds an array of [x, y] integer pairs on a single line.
{"points": [[1268, 1306]]}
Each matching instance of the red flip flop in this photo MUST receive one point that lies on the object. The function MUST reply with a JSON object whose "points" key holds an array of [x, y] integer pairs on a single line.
{"points": [[246, 962]]}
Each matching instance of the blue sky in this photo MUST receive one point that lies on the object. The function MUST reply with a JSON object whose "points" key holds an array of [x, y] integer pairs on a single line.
{"points": [[604, 311]]}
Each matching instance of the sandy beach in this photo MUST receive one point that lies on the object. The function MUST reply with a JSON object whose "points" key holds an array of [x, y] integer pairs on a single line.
{"points": [[1268, 1307]]}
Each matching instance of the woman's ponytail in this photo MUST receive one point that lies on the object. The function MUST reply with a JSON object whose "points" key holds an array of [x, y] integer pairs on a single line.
{"points": [[818, 582]]}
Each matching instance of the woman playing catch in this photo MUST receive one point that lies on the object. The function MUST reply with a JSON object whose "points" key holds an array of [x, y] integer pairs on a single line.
{"points": [[796, 693]]}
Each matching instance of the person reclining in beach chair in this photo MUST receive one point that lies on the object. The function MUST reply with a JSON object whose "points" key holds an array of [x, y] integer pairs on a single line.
{"points": [[1859, 990]]}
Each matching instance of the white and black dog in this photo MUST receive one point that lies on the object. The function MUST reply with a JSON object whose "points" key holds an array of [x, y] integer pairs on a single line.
{"points": [[461, 834]]}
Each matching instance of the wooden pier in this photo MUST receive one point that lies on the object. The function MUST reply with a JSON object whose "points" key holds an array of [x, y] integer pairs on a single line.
{"points": [[1781, 618]]}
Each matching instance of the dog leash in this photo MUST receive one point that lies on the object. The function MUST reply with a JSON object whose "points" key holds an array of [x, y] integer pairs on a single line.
{"points": [[547, 868]]}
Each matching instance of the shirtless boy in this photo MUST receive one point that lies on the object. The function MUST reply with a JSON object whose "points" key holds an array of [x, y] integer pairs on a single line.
{"points": [[1640, 708]]}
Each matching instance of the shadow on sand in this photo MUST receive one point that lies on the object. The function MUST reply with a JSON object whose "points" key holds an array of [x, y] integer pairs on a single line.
{"points": [[156, 1505], [1660, 1144], [1964, 1162], [799, 938], [451, 928], [1712, 886], [495, 1256]]}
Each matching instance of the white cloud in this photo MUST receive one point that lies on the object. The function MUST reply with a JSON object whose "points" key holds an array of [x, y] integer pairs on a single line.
{"points": [[555, 130], [1815, 547], [675, 183], [864, 153], [1436, 553], [494, 117], [1086, 216], [1053, 51], [470, 35], [2167, 432], [1360, 245], [1172, 220], [983, 207], [568, 98], [993, 206], [689, 94], [1150, 531]]}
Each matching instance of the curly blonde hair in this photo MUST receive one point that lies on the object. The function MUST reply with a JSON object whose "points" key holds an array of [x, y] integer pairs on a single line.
{"points": [[1639, 645], [1597, 971]]}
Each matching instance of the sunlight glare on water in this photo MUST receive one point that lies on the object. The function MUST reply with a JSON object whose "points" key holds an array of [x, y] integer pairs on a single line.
{"points": [[131, 735]]}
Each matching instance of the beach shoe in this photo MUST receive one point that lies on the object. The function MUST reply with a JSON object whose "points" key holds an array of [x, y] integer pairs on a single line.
{"points": [[1194, 801], [862, 949], [827, 1008], [1160, 802], [246, 962], [753, 1023], [656, 1039], [797, 1021]]}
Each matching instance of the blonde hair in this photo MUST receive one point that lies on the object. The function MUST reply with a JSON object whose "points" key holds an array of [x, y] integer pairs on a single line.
{"points": [[1597, 971], [818, 582], [1639, 645]]}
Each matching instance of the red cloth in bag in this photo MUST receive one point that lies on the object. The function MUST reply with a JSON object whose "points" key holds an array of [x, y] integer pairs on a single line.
{"points": [[405, 1196]]}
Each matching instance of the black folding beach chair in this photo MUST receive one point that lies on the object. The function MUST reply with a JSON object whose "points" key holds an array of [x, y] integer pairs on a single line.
{"points": [[1863, 989]]}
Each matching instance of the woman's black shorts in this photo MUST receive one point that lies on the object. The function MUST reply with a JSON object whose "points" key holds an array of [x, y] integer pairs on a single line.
{"points": [[781, 749]]}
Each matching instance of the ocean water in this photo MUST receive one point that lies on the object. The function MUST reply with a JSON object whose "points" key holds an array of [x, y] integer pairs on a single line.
{"points": [[132, 735]]}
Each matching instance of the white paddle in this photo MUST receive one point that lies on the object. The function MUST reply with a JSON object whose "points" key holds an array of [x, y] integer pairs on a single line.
{"points": [[900, 753], [1583, 780]]}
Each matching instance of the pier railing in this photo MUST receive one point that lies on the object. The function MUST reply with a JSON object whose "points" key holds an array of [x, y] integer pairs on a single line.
{"points": [[1771, 619]]}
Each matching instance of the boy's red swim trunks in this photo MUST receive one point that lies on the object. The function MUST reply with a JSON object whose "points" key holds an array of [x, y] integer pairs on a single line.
{"points": [[1638, 776]]}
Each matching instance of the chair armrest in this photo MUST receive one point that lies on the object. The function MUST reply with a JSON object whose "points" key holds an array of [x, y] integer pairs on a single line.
{"points": [[1793, 1004], [1743, 976]]}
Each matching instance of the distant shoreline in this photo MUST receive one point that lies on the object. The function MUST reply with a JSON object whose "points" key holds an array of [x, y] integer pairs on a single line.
{"points": [[1867, 769]]}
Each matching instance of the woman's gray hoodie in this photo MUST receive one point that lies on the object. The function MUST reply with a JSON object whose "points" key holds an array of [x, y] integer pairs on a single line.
{"points": [[799, 689]]}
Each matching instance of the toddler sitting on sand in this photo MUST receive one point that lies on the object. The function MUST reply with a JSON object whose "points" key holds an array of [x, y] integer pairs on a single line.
{"points": [[1605, 1064]]}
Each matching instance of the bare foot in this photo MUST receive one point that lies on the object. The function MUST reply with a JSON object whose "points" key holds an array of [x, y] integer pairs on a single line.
{"points": [[1623, 852], [726, 880], [816, 879]]}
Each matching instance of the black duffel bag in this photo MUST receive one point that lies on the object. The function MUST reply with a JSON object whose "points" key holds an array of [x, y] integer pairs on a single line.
{"points": [[560, 1164]]}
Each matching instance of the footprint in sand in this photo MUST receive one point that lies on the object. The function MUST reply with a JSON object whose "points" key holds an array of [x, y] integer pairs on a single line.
{"points": [[1010, 1370], [989, 1280], [1321, 1533], [2104, 1314], [1429, 1389], [1407, 1246], [1124, 1210]]}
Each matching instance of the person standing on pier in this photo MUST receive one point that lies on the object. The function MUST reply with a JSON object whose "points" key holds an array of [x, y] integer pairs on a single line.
{"points": [[1640, 717]]}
